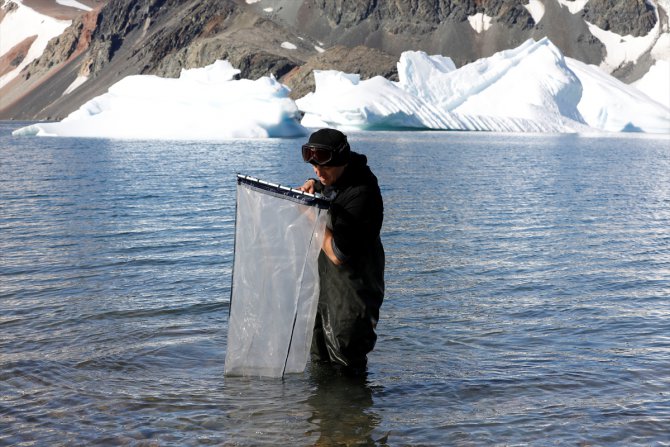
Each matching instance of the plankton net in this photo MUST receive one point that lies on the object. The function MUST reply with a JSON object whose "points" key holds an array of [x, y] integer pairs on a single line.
{"points": [[275, 287]]}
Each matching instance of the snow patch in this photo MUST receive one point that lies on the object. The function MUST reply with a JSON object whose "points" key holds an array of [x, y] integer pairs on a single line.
{"points": [[536, 10], [74, 4], [77, 82], [288, 46], [480, 22], [574, 6], [319, 49], [22, 23]]}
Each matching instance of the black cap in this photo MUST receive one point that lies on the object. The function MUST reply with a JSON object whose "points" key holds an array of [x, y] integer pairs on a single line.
{"points": [[337, 141]]}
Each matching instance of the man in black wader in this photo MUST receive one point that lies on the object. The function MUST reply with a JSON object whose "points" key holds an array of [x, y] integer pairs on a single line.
{"points": [[351, 262]]}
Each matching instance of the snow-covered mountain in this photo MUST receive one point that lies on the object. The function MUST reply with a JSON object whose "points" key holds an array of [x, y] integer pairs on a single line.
{"points": [[96, 44]]}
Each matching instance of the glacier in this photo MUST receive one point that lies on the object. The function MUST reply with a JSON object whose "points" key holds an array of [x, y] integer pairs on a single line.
{"points": [[531, 88]]}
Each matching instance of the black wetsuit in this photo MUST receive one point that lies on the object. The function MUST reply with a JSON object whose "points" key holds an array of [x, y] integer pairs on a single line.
{"points": [[351, 293]]}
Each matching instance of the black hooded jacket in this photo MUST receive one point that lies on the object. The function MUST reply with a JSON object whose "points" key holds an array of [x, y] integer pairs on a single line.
{"points": [[351, 293]]}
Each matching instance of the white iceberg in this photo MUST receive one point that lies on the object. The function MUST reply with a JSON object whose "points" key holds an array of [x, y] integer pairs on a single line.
{"points": [[529, 88], [532, 88], [202, 104], [656, 82], [610, 105]]}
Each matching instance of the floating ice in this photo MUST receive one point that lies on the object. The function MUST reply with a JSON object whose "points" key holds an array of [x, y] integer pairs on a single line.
{"points": [[532, 88], [203, 104], [528, 89], [611, 105], [656, 83]]}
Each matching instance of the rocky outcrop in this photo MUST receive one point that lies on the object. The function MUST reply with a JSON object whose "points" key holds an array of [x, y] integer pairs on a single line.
{"points": [[7, 7], [251, 61], [434, 26], [13, 58], [251, 43], [59, 52], [74, 41], [163, 36], [346, 14], [129, 24], [624, 17]]}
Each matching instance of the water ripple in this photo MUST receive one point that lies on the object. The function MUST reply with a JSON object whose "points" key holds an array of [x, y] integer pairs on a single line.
{"points": [[528, 288]]}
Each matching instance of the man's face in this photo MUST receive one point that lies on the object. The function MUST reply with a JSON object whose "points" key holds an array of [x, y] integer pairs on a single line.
{"points": [[328, 175]]}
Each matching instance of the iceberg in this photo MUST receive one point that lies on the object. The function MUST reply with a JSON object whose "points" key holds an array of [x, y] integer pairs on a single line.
{"points": [[531, 88], [610, 105], [527, 89], [656, 82], [202, 104], [344, 101]]}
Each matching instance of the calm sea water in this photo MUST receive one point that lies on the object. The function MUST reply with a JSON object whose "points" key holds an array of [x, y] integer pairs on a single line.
{"points": [[528, 295]]}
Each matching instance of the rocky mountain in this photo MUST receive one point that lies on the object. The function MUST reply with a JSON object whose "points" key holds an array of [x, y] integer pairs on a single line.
{"points": [[290, 38]]}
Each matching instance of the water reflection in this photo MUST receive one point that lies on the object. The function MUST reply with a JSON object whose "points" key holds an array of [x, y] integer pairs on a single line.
{"points": [[321, 407], [342, 408]]}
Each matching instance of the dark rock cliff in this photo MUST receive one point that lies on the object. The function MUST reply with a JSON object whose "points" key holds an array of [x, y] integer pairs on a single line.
{"points": [[624, 17], [434, 26]]}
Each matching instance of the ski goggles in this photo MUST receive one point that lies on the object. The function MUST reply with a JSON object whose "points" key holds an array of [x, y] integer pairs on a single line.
{"points": [[318, 154]]}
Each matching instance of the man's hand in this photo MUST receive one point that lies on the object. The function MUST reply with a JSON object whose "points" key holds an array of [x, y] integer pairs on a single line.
{"points": [[308, 186]]}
